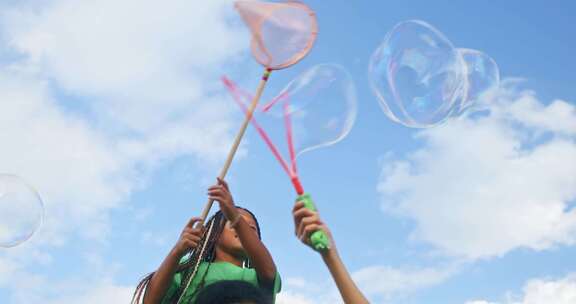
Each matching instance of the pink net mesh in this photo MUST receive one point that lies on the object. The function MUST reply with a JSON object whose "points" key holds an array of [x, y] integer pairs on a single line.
{"points": [[282, 32]]}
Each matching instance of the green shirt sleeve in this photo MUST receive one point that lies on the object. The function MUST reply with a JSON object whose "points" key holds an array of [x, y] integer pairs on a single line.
{"points": [[274, 288], [175, 284], [173, 289], [277, 283], [277, 286]]}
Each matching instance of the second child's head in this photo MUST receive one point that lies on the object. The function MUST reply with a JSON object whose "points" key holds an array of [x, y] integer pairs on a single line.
{"points": [[232, 292]]}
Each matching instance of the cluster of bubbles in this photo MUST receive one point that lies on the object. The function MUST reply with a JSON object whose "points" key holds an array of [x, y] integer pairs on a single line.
{"points": [[21, 211], [421, 79]]}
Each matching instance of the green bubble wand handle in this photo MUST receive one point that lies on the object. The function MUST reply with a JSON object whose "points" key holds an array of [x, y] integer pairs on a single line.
{"points": [[318, 239]]}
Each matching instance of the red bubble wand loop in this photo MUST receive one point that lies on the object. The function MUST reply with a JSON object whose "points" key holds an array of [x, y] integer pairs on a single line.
{"points": [[319, 105], [289, 167]]}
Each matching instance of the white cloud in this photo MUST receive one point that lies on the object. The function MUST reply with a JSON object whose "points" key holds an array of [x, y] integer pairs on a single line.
{"points": [[380, 284], [543, 291], [95, 95], [483, 186], [145, 71], [383, 284], [111, 294], [290, 297], [141, 66], [144, 61], [7, 268], [61, 155], [297, 290], [72, 292], [93, 283]]}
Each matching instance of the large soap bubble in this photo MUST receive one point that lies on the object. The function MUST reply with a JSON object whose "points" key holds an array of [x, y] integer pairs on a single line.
{"points": [[317, 109], [417, 75]]}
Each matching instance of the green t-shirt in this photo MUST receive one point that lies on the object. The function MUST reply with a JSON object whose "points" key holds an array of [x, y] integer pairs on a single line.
{"points": [[218, 271]]}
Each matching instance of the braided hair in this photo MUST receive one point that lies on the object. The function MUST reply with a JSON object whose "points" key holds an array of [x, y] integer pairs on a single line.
{"points": [[204, 252]]}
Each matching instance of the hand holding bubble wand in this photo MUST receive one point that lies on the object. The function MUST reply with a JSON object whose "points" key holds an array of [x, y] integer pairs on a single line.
{"points": [[316, 109], [282, 34]]}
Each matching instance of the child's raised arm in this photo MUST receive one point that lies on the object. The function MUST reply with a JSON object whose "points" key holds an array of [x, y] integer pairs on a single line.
{"points": [[306, 222], [257, 253], [161, 279]]}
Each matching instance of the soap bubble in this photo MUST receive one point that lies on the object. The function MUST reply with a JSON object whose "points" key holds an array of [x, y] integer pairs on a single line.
{"points": [[417, 75], [482, 77], [21, 211]]}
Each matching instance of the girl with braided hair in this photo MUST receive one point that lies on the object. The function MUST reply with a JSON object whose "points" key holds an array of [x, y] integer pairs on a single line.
{"points": [[228, 247]]}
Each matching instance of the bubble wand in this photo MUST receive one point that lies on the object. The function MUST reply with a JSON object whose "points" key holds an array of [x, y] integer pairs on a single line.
{"points": [[282, 34], [328, 87]]}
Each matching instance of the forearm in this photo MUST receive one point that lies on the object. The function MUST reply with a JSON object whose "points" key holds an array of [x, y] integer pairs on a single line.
{"points": [[256, 251], [348, 289], [160, 282]]}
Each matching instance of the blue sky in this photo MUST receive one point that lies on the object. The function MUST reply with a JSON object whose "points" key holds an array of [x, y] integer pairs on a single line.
{"points": [[129, 125]]}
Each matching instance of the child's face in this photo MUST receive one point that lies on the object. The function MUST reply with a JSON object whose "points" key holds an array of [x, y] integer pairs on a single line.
{"points": [[229, 240]]}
